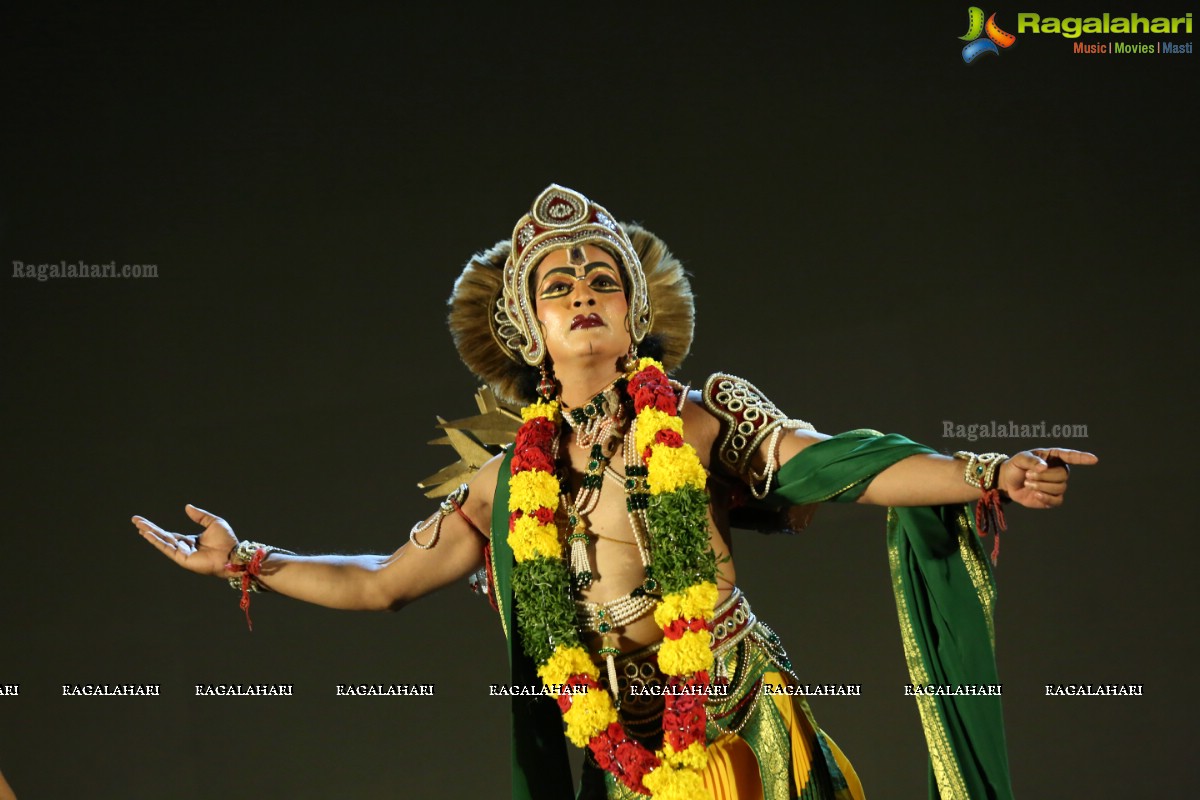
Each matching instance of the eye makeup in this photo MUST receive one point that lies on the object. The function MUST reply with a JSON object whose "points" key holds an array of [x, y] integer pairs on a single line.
{"points": [[602, 278]]}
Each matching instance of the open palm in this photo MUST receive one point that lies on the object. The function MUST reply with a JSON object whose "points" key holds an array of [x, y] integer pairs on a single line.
{"points": [[205, 553]]}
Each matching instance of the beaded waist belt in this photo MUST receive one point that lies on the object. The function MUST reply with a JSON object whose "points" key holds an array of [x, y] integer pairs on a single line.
{"points": [[732, 621]]}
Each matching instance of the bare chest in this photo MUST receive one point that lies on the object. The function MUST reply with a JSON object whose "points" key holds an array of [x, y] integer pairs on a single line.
{"points": [[617, 547]]}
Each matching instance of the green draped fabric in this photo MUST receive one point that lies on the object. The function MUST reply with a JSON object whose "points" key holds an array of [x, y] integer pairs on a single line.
{"points": [[540, 769], [945, 597]]}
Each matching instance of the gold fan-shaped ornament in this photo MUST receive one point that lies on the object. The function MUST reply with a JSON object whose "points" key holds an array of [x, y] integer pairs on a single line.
{"points": [[476, 439]]}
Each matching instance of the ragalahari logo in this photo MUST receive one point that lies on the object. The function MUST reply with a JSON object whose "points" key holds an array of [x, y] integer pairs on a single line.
{"points": [[976, 27]]}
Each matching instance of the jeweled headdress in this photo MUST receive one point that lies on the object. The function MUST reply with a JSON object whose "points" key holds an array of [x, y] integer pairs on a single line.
{"points": [[492, 316], [563, 218]]}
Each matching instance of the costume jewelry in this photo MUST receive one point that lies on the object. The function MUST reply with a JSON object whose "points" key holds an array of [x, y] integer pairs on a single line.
{"points": [[245, 561], [983, 473]]}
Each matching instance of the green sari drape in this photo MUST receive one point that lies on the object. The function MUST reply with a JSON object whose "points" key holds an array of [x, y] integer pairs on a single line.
{"points": [[944, 594], [945, 597], [540, 769]]}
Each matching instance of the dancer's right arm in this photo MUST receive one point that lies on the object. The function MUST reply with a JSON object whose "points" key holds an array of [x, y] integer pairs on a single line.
{"points": [[359, 583]]}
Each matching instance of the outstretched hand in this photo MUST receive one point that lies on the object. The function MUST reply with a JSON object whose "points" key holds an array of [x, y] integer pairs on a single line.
{"points": [[1038, 478], [205, 553]]}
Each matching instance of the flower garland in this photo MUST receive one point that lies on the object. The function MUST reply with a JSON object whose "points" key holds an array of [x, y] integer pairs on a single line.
{"points": [[684, 567]]}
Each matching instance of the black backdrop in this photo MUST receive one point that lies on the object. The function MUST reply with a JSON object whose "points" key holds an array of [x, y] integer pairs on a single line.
{"points": [[880, 236]]}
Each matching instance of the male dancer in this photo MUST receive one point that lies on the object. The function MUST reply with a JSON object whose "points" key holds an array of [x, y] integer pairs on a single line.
{"points": [[612, 512]]}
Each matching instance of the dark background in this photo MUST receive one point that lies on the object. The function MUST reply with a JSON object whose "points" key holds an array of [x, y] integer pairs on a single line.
{"points": [[879, 234]]}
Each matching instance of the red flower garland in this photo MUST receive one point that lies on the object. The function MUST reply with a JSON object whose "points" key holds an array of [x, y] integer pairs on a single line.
{"points": [[684, 716]]}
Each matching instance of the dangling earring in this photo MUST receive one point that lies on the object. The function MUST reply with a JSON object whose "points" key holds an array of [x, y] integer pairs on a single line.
{"points": [[547, 387], [629, 360]]}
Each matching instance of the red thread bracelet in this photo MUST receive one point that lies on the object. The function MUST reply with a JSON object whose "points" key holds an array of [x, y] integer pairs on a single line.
{"points": [[989, 518], [249, 572]]}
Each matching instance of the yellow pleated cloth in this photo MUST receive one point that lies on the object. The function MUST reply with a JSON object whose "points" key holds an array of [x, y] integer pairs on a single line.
{"points": [[733, 769]]}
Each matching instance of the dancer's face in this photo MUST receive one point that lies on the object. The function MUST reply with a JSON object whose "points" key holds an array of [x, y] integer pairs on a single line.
{"points": [[581, 304]]}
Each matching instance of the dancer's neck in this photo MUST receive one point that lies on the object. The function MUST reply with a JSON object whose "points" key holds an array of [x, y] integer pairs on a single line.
{"points": [[583, 382]]}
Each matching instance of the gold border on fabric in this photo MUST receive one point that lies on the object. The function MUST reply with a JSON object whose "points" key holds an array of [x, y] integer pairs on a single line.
{"points": [[951, 784], [977, 569], [849, 486], [771, 742], [492, 578]]}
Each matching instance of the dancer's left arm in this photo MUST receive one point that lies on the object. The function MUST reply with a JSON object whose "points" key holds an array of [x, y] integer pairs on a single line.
{"points": [[1035, 478]]}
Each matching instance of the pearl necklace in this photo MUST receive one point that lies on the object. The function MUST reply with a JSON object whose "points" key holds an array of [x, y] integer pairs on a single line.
{"points": [[602, 618]]}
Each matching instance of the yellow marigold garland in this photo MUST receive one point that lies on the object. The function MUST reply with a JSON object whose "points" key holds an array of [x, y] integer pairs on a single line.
{"points": [[590, 714], [528, 490], [685, 654], [541, 408], [530, 538], [699, 601], [674, 468], [565, 662], [693, 756], [690, 653], [685, 783], [650, 422]]}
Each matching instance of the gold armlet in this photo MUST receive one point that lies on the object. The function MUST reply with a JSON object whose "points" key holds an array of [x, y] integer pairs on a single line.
{"points": [[747, 420]]}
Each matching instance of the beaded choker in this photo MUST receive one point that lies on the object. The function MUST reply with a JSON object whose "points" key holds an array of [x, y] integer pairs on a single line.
{"points": [[587, 419]]}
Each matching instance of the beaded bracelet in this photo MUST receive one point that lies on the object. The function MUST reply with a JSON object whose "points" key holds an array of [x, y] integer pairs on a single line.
{"points": [[983, 472]]}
